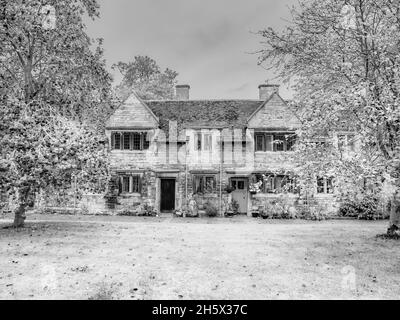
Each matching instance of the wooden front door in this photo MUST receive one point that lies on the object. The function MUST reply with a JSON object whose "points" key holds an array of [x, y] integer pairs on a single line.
{"points": [[167, 195], [240, 193]]}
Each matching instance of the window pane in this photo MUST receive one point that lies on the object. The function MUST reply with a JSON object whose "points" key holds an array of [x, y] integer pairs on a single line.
{"points": [[125, 184], [126, 141], [279, 143], [146, 141], [329, 185], [241, 185], [291, 142], [197, 142], [279, 182], [259, 142], [210, 184], [268, 143], [321, 185], [136, 141], [117, 141], [199, 184], [207, 142], [341, 141], [233, 183], [269, 184], [350, 142], [135, 187]]}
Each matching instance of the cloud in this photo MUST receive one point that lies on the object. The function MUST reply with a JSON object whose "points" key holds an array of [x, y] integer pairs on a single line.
{"points": [[206, 41], [240, 88]]}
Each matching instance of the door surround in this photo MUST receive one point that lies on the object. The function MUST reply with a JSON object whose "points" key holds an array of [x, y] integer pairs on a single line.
{"points": [[241, 193], [167, 174], [169, 203]]}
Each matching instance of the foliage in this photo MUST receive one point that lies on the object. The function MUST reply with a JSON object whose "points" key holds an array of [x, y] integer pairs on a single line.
{"points": [[235, 206], [316, 212], [277, 208], [145, 77], [147, 210], [346, 73], [210, 209], [255, 187], [127, 213], [54, 99], [365, 207], [229, 189]]}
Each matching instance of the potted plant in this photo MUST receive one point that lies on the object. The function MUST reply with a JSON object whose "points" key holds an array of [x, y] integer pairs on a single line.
{"points": [[233, 209], [229, 189]]}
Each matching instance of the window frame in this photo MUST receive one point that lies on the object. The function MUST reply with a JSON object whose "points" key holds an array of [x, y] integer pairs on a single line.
{"points": [[203, 141], [346, 142], [125, 184], [118, 141], [269, 141], [270, 184], [202, 187], [327, 186]]}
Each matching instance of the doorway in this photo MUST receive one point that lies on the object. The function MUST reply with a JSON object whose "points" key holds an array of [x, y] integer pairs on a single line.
{"points": [[239, 193], [167, 195]]}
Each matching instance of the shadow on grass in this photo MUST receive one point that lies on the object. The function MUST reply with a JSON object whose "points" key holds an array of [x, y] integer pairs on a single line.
{"points": [[385, 236]]}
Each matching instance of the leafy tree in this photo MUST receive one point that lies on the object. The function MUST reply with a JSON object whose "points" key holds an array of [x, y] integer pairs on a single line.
{"points": [[145, 77], [344, 56], [54, 98]]}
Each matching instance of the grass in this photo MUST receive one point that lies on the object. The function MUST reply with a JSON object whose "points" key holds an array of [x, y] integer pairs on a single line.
{"points": [[64, 257]]}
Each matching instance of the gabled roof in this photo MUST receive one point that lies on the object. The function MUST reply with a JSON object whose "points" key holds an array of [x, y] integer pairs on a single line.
{"points": [[264, 103], [124, 116], [204, 113]]}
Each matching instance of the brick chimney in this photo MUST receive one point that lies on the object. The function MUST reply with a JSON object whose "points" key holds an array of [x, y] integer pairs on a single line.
{"points": [[182, 92], [266, 90]]}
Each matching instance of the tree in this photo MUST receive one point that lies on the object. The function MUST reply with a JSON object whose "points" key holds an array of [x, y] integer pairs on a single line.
{"points": [[144, 76], [54, 98], [344, 56]]}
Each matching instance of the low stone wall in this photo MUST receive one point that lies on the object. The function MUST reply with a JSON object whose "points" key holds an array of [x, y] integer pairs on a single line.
{"points": [[93, 204], [328, 202]]}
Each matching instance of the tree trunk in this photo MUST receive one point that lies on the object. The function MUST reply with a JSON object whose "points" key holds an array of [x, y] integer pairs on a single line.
{"points": [[19, 213], [19, 216], [394, 228]]}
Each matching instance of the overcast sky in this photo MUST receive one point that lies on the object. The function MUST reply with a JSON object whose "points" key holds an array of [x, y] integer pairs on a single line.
{"points": [[208, 42]]}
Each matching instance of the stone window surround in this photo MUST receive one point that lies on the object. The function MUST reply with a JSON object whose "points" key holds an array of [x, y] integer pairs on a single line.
{"points": [[131, 176], [202, 141], [328, 184], [144, 144], [201, 178], [273, 181], [346, 141], [272, 136]]}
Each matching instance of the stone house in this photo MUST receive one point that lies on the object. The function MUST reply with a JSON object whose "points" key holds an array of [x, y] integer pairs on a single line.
{"points": [[166, 152]]}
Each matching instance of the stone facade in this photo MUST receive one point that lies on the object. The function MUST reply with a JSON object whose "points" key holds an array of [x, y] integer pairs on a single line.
{"points": [[207, 155]]}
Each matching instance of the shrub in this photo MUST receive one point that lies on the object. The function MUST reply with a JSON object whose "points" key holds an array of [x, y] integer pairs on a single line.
{"points": [[210, 209], [276, 209], [148, 210], [315, 212], [127, 213], [365, 208], [235, 207]]}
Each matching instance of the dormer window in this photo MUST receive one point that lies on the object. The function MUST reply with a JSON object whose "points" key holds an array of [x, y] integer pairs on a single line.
{"points": [[129, 141]]}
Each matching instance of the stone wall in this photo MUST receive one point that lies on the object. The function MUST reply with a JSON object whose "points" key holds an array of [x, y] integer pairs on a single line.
{"points": [[274, 114], [93, 204]]}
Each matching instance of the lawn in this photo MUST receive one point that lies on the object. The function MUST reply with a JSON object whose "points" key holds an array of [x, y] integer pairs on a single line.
{"points": [[69, 257]]}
